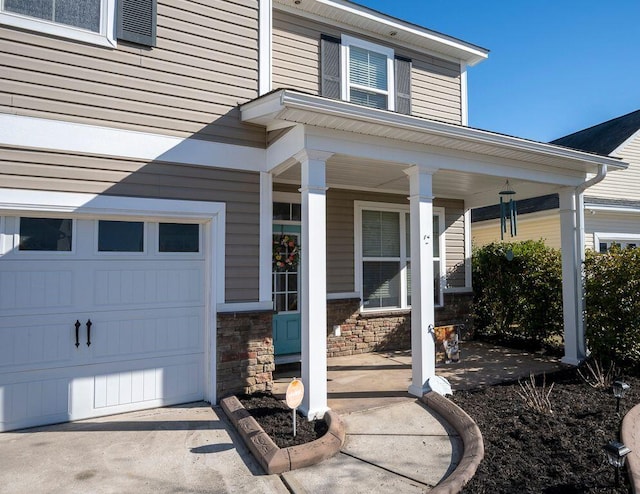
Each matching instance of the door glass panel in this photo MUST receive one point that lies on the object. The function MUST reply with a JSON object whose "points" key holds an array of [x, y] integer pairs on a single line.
{"points": [[120, 236], [46, 234], [285, 272], [179, 237]]}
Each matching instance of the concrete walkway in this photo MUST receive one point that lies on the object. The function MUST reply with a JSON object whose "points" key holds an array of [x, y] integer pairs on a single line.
{"points": [[393, 441], [403, 447]]}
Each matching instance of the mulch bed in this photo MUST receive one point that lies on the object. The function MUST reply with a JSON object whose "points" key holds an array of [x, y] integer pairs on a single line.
{"points": [[525, 451], [276, 418], [560, 452]]}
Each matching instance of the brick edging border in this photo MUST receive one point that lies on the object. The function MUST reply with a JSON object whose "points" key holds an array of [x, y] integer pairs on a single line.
{"points": [[274, 459], [473, 446], [630, 436]]}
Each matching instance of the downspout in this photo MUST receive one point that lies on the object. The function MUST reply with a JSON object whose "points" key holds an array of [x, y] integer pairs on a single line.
{"points": [[579, 233], [599, 177]]}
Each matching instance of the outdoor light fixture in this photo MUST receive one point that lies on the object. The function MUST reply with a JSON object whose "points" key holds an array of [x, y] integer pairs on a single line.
{"points": [[619, 390], [616, 454]]}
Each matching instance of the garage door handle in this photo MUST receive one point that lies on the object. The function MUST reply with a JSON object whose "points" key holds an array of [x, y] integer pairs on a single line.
{"points": [[77, 325], [89, 332]]}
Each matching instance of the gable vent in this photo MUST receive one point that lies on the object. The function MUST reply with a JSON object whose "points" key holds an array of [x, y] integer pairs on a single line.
{"points": [[137, 21]]}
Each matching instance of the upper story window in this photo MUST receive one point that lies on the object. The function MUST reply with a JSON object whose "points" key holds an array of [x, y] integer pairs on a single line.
{"points": [[91, 21], [368, 70], [365, 73]]}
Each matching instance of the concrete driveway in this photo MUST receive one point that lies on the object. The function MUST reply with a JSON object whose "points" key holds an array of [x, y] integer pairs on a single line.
{"points": [[182, 449]]}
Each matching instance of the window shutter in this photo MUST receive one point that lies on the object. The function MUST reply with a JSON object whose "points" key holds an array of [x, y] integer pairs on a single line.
{"points": [[330, 67], [137, 21], [403, 85]]}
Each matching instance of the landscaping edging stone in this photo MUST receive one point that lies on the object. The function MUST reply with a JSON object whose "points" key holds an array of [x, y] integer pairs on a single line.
{"points": [[278, 460], [469, 432], [630, 436]]}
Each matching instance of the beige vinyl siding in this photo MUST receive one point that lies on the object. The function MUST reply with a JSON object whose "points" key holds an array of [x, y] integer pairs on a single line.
{"points": [[204, 65], [240, 191], [435, 83], [535, 226], [296, 53], [454, 238], [622, 184], [604, 223], [436, 89]]}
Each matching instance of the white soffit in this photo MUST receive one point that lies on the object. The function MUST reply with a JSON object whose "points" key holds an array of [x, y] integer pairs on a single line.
{"points": [[372, 22], [285, 106]]}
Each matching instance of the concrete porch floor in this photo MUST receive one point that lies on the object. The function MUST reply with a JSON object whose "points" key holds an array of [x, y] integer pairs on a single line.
{"points": [[372, 380]]}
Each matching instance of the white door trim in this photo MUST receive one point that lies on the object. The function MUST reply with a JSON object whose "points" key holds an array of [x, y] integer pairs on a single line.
{"points": [[211, 214]]}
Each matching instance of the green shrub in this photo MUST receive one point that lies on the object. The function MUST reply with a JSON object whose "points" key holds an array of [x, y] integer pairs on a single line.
{"points": [[518, 291], [612, 305]]}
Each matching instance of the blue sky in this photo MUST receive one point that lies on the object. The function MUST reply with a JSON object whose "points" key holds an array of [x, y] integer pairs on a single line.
{"points": [[554, 67]]}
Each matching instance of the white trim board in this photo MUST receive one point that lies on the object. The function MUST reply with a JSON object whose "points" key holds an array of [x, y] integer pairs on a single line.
{"points": [[57, 135], [212, 214]]}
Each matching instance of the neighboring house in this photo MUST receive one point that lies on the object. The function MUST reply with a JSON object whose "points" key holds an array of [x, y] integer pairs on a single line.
{"points": [[152, 154], [611, 206]]}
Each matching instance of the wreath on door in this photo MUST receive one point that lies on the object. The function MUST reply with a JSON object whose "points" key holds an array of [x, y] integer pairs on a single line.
{"points": [[286, 253]]}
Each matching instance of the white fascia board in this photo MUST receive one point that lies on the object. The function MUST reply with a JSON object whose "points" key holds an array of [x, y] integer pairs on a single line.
{"points": [[317, 104], [263, 110], [57, 135], [468, 52]]}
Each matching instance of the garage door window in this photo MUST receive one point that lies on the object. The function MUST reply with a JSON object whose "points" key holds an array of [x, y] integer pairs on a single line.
{"points": [[120, 236], [46, 234], [179, 237]]}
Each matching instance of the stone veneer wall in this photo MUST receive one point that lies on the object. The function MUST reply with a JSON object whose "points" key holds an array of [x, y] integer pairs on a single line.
{"points": [[362, 333], [245, 354]]}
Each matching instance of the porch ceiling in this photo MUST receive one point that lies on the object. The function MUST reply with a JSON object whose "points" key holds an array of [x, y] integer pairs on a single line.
{"points": [[348, 172]]}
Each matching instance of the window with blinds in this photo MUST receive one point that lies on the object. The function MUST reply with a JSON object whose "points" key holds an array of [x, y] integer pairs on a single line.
{"points": [[83, 15], [364, 73], [368, 76], [367, 73], [385, 239], [97, 22]]}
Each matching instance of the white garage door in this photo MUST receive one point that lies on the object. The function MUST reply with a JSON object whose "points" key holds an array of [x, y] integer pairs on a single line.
{"points": [[98, 316]]}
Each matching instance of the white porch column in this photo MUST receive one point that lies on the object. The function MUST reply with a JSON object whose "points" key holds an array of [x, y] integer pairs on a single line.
{"points": [[313, 282], [423, 361], [572, 287]]}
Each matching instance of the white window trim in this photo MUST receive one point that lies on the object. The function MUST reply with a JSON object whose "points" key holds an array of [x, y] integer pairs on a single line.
{"points": [[14, 246], [347, 42], [359, 206], [106, 36], [614, 237], [121, 253]]}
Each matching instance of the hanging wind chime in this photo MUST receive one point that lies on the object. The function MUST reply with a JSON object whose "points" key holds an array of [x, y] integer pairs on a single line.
{"points": [[508, 211]]}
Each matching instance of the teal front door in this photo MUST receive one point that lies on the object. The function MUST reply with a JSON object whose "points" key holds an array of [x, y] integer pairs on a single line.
{"points": [[285, 286]]}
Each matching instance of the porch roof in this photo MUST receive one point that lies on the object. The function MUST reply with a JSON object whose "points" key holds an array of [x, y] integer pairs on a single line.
{"points": [[471, 163]]}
